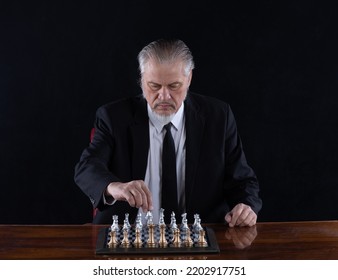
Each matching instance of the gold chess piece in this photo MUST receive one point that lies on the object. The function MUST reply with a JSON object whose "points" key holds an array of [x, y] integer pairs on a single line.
{"points": [[177, 238], [201, 239], [151, 239], [125, 241], [113, 239], [137, 242], [188, 241], [163, 241]]}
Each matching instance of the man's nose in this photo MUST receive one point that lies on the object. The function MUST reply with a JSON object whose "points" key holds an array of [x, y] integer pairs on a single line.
{"points": [[164, 93]]}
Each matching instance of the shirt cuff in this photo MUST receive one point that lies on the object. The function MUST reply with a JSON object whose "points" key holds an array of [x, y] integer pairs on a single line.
{"points": [[108, 200]]}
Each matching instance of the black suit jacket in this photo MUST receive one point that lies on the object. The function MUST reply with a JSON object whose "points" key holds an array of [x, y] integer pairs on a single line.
{"points": [[217, 174]]}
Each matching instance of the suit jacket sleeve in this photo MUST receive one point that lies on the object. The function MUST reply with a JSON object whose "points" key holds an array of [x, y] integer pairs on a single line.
{"points": [[241, 184], [92, 173]]}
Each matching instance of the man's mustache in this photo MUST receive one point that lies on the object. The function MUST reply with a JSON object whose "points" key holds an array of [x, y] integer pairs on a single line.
{"points": [[164, 104]]}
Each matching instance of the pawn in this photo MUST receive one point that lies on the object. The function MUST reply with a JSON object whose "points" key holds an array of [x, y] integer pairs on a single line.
{"points": [[126, 224], [201, 239], [173, 224], [125, 241], [161, 219], [137, 242], [138, 222], [188, 241], [184, 223], [115, 225], [197, 223], [176, 239], [113, 239]]}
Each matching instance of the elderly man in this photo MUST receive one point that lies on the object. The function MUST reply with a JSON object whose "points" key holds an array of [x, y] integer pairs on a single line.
{"points": [[168, 148]]}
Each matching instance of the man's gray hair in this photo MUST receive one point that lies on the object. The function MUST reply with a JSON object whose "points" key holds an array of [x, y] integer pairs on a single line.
{"points": [[166, 51]]}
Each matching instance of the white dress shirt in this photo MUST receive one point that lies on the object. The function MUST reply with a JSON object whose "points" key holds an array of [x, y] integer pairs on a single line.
{"points": [[154, 166]]}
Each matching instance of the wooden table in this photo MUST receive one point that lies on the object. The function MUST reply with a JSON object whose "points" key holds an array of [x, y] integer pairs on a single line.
{"points": [[273, 241]]}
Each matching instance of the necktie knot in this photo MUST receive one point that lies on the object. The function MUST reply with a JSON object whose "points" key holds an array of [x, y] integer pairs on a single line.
{"points": [[168, 126]]}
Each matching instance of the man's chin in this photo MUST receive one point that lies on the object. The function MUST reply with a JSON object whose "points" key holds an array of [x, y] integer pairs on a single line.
{"points": [[164, 117]]}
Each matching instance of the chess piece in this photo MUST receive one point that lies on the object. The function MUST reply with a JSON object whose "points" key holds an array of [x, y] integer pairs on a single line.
{"points": [[197, 223], [161, 220], [126, 224], [176, 239], [188, 241], [125, 241], [138, 222], [113, 243], [184, 223], [201, 239], [173, 224], [163, 241], [149, 218], [115, 224], [137, 242], [151, 233]]}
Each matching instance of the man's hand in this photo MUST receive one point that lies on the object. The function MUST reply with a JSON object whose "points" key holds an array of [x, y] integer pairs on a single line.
{"points": [[136, 193], [241, 215]]}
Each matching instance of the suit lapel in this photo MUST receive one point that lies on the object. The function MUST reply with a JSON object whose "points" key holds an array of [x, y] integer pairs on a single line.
{"points": [[194, 125], [140, 140]]}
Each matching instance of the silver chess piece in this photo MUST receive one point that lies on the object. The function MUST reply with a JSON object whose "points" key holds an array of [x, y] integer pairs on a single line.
{"points": [[115, 225], [173, 224], [197, 223], [184, 223], [161, 219], [149, 218], [126, 224], [138, 222]]}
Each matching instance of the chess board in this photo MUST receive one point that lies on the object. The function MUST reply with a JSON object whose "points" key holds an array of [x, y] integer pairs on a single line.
{"points": [[103, 245]]}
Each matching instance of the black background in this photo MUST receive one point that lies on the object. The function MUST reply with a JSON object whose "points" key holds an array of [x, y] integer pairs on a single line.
{"points": [[274, 62]]}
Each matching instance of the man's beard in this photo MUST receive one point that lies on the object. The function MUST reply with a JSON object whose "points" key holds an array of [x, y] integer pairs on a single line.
{"points": [[163, 119]]}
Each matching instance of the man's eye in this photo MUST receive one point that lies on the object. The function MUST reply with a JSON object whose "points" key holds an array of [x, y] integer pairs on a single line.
{"points": [[174, 86], [155, 87]]}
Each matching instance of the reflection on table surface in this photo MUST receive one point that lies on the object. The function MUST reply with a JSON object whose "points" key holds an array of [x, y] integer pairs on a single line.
{"points": [[273, 240]]}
